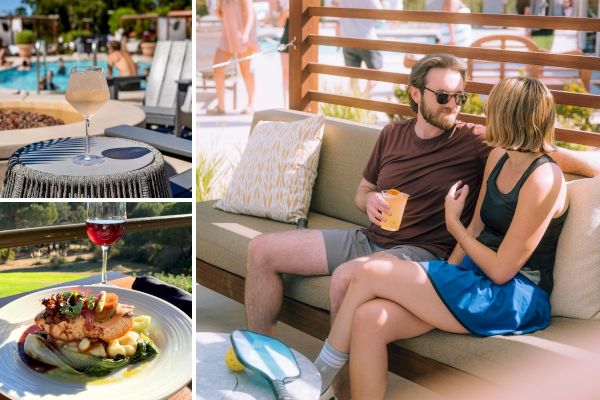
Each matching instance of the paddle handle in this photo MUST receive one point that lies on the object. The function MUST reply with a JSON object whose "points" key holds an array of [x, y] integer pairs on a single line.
{"points": [[281, 391]]}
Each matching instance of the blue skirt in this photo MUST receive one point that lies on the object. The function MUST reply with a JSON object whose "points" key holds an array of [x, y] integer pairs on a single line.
{"points": [[484, 308]]}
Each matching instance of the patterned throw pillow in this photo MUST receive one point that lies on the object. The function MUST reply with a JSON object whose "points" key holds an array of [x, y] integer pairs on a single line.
{"points": [[576, 291], [277, 171]]}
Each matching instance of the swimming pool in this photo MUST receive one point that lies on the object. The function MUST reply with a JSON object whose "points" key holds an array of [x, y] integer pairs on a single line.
{"points": [[26, 80]]}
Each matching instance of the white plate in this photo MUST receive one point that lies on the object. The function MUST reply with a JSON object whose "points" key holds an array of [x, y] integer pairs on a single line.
{"points": [[169, 371]]}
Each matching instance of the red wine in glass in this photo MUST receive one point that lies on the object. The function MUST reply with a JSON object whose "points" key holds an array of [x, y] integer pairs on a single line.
{"points": [[105, 226], [105, 233]]}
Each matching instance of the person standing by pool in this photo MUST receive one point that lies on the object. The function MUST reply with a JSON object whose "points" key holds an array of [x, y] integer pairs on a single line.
{"points": [[120, 59], [3, 61], [361, 29], [239, 40], [456, 34], [282, 9]]}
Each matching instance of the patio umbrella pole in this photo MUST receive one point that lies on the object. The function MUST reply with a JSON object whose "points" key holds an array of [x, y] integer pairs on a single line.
{"points": [[279, 48]]}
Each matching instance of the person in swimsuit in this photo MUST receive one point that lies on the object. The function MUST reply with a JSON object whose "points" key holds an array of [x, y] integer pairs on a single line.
{"points": [[3, 61], [239, 39], [120, 59], [498, 278]]}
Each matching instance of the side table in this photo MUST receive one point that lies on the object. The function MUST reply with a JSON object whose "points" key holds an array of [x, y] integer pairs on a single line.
{"points": [[45, 169], [214, 381]]}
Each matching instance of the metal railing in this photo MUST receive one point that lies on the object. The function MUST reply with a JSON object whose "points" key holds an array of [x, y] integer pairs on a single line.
{"points": [[305, 67], [47, 234], [41, 47]]}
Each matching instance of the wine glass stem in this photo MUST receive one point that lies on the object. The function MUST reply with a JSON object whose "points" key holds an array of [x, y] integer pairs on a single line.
{"points": [[87, 137], [105, 250]]}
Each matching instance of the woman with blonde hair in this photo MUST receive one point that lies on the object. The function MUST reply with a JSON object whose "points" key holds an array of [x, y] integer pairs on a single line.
{"points": [[239, 39], [497, 280]]}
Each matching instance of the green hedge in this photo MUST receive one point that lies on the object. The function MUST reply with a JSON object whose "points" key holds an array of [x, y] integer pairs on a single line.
{"points": [[25, 37]]}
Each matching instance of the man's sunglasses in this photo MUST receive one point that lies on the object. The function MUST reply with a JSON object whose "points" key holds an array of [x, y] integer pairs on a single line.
{"points": [[444, 97]]}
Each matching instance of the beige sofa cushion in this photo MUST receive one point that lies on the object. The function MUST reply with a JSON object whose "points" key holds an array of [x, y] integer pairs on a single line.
{"points": [[222, 240], [576, 291], [277, 171]]}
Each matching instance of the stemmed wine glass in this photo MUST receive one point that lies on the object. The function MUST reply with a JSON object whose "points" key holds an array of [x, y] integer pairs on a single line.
{"points": [[105, 226], [87, 92]]}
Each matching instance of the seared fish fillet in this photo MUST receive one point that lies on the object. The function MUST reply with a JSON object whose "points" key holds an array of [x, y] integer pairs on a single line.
{"points": [[75, 329]]}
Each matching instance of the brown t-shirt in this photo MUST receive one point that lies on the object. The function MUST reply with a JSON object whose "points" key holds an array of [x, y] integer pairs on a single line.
{"points": [[425, 169]]}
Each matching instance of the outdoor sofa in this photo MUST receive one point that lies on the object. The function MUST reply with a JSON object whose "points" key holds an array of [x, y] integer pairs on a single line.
{"points": [[437, 360]]}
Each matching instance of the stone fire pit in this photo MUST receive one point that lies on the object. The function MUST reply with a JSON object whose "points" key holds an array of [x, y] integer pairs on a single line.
{"points": [[113, 113]]}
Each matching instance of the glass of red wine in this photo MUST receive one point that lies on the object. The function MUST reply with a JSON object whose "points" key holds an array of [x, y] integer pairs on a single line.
{"points": [[105, 226]]}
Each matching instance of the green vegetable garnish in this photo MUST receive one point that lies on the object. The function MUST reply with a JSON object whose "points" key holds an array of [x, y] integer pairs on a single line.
{"points": [[71, 311], [145, 350]]}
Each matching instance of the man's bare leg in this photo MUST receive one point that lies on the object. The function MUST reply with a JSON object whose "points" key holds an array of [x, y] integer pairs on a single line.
{"points": [[299, 252]]}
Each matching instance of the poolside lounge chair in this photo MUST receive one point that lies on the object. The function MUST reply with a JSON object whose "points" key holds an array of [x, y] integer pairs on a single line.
{"points": [[181, 184], [172, 63]]}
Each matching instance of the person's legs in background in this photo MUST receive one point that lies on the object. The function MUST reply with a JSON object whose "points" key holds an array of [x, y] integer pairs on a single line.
{"points": [[352, 59], [285, 76], [248, 76], [221, 56], [374, 60]]}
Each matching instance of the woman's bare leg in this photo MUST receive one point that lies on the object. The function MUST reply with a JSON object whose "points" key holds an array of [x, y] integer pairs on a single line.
{"points": [[377, 323], [220, 57], [403, 282], [248, 76], [285, 76]]}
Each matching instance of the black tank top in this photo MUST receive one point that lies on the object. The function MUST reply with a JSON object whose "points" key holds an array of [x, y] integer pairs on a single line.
{"points": [[497, 211]]}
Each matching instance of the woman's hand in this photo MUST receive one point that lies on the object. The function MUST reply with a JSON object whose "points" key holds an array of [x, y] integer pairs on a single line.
{"points": [[375, 205], [455, 203]]}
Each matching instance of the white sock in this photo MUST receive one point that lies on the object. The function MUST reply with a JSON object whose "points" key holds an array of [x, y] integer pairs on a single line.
{"points": [[328, 363]]}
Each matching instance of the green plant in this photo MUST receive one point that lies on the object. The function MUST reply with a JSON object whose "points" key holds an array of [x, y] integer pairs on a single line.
{"points": [[346, 112], [114, 22], [58, 260], [181, 281], [70, 36], [7, 255], [25, 37], [211, 174], [163, 10], [201, 8]]}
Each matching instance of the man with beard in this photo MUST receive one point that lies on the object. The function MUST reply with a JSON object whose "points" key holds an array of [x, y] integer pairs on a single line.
{"points": [[422, 157]]}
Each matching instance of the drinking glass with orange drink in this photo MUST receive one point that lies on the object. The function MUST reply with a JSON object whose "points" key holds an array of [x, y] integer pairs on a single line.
{"points": [[397, 201]]}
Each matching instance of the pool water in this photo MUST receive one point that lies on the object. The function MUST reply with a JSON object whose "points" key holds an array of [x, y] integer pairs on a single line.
{"points": [[27, 80]]}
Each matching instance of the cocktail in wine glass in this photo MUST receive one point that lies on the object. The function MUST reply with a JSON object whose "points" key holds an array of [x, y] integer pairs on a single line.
{"points": [[87, 92], [105, 226]]}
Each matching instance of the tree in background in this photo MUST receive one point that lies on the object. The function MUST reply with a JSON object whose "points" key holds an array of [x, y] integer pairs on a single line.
{"points": [[75, 14], [168, 250], [27, 215]]}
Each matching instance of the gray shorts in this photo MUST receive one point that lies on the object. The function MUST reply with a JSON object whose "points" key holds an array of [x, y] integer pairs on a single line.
{"points": [[354, 58], [345, 245]]}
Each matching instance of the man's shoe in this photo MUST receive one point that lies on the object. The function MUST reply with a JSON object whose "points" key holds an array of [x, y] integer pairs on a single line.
{"points": [[328, 394]]}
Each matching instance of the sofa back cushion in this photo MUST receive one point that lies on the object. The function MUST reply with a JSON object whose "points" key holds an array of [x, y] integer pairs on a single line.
{"points": [[345, 150], [576, 291]]}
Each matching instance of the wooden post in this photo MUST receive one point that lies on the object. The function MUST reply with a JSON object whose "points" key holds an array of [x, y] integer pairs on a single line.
{"points": [[301, 54]]}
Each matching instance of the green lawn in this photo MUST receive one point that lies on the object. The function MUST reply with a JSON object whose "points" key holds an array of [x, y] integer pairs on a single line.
{"points": [[19, 282]]}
